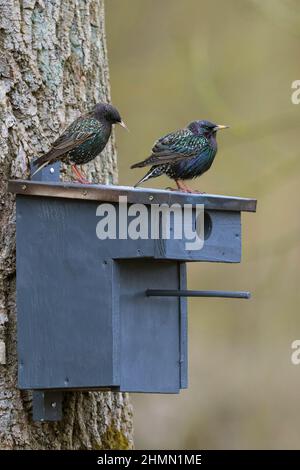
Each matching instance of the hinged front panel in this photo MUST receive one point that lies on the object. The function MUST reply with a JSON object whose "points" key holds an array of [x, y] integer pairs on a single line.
{"points": [[152, 349]]}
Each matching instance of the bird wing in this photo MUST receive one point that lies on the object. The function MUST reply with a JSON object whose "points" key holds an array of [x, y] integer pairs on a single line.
{"points": [[62, 146], [176, 146], [76, 134], [73, 136], [66, 144]]}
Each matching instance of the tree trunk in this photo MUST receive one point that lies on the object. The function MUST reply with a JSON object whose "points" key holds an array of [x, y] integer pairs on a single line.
{"points": [[53, 65]]}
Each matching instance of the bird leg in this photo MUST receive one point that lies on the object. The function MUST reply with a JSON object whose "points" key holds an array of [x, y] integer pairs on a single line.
{"points": [[79, 176], [183, 187]]}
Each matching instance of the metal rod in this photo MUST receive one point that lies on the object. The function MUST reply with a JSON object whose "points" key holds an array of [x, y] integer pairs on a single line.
{"points": [[197, 293]]}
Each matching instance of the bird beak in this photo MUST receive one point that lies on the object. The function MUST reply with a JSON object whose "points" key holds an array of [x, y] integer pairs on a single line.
{"points": [[219, 127], [122, 124]]}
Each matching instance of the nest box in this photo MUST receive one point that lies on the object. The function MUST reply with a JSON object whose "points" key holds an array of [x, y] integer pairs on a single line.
{"points": [[108, 314]]}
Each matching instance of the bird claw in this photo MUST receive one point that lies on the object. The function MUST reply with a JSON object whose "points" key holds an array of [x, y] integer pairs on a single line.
{"points": [[79, 177], [185, 190], [82, 181]]}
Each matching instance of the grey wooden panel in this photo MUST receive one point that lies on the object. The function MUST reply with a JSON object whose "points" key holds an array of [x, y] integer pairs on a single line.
{"points": [[183, 328], [222, 245], [150, 327], [83, 318], [71, 310], [63, 297]]}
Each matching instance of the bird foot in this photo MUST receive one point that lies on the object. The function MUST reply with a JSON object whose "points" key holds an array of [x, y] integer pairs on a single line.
{"points": [[82, 181], [180, 190], [79, 176], [185, 190], [182, 187]]}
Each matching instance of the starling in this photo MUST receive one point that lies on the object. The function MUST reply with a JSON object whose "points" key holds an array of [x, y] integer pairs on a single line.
{"points": [[83, 140], [183, 154]]}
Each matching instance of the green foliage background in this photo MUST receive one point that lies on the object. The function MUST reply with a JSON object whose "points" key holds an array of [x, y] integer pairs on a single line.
{"points": [[233, 62]]}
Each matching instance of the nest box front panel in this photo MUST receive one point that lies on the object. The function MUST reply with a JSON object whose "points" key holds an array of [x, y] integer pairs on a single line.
{"points": [[84, 320], [153, 329], [64, 301]]}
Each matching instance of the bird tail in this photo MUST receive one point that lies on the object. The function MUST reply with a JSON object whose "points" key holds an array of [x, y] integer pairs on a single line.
{"points": [[152, 173], [145, 178], [41, 162]]}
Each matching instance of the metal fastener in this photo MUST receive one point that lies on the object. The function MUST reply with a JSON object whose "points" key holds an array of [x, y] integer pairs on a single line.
{"points": [[24, 187]]}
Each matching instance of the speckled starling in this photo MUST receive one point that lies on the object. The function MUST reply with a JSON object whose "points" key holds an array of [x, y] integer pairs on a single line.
{"points": [[83, 140], [183, 154]]}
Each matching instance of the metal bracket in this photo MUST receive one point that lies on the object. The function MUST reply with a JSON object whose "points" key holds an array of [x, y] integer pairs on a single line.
{"points": [[49, 173], [47, 405]]}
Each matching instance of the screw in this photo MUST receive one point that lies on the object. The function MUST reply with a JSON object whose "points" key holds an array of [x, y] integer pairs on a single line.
{"points": [[84, 193], [53, 404], [150, 198], [24, 187], [52, 170]]}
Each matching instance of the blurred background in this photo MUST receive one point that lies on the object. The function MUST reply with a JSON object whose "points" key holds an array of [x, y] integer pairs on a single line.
{"points": [[231, 62]]}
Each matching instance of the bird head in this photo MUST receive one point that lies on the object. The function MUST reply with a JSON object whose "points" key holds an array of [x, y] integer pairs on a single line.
{"points": [[107, 112], [205, 128]]}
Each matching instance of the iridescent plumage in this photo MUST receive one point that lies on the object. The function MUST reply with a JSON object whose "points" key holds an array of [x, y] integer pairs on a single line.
{"points": [[183, 154], [84, 139]]}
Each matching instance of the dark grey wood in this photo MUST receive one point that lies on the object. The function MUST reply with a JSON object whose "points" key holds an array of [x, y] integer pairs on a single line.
{"points": [[71, 307], [84, 319], [183, 328], [111, 193], [63, 296], [222, 244], [150, 339], [47, 405]]}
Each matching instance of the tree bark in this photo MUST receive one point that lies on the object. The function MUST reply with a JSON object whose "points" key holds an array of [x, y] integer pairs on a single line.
{"points": [[53, 65]]}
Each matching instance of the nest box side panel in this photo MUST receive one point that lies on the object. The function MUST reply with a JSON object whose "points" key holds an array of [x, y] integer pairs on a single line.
{"points": [[222, 240], [183, 327], [64, 296], [150, 340]]}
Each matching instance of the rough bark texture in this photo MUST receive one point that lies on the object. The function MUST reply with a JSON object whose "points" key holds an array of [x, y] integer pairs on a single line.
{"points": [[53, 64]]}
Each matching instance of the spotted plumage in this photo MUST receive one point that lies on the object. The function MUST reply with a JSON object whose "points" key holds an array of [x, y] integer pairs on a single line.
{"points": [[84, 139], [183, 154]]}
